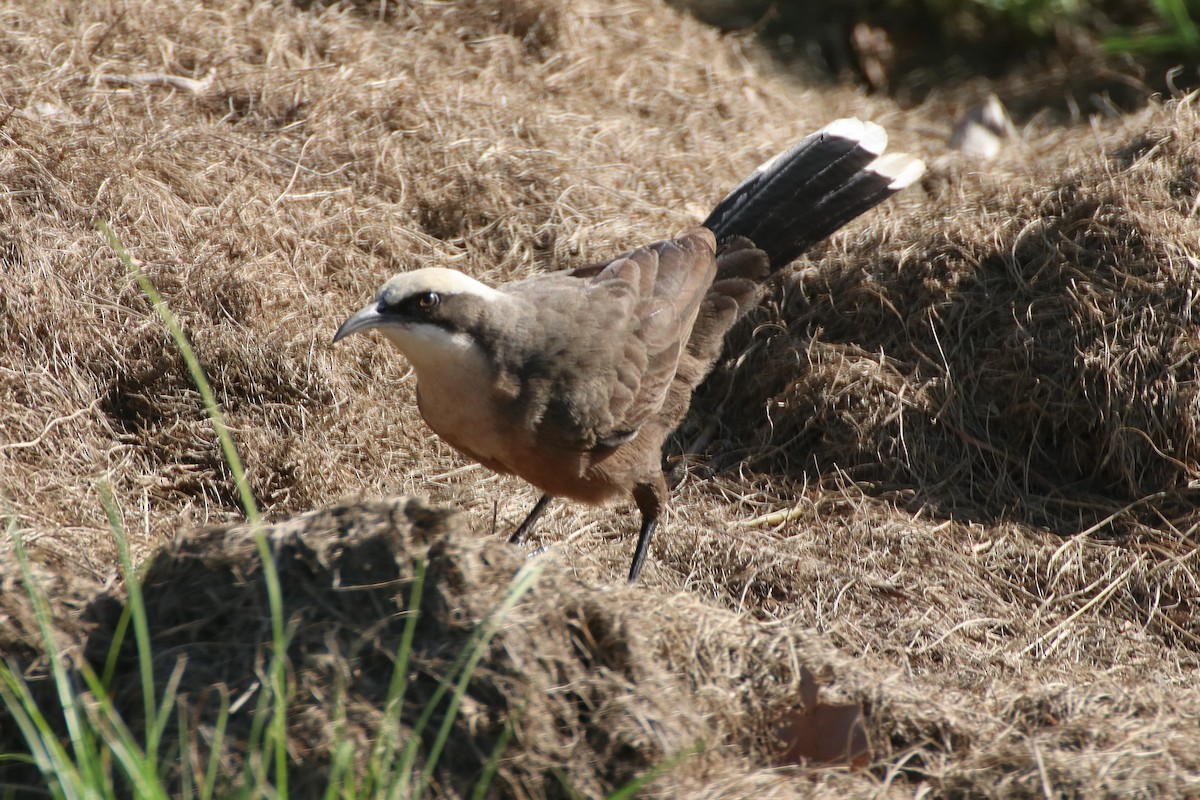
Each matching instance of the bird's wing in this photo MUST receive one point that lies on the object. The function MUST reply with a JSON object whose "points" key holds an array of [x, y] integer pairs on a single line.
{"points": [[671, 279], [615, 333]]}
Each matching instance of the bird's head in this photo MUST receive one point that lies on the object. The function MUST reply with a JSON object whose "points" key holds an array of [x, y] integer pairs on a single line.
{"points": [[427, 314]]}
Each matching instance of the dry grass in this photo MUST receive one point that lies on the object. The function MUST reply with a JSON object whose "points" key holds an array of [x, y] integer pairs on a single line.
{"points": [[970, 428]]}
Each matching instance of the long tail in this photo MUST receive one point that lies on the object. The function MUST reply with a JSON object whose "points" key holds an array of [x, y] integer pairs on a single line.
{"points": [[807, 192]]}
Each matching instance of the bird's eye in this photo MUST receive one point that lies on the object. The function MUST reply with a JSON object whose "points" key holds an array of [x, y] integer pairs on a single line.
{"points": [[428, 300]]}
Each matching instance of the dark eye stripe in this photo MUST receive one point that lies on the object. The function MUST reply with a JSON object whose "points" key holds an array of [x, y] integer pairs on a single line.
{"points": [[421, 304]]}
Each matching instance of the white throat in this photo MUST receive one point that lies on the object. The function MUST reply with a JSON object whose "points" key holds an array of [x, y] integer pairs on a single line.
{"points": [[455, 390], [435, 352]]}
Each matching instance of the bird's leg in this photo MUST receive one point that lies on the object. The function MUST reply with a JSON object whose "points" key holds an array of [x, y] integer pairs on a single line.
{"points": [[525, 527], [650, 499]]}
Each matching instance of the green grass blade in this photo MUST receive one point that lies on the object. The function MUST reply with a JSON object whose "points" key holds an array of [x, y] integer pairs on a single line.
{"points": [[141, 626], [208, 788], [17, 758], [342, 757], [566, 784], [194, 367], [1175, 14], [167, 705], [1155, 43], [45, 752], [341, 773], [493, 762], [132, 758], [114, 647], [258, 740], [278, 669], [81, 770], [632, 788], [522, 583], [384, 750], [184, 736], [403, 772]]}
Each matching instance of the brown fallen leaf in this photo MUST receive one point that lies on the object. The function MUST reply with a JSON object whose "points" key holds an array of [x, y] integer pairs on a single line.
{"points": [[819, 733]]}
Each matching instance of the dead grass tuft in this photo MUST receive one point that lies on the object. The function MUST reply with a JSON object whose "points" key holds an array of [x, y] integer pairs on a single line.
{"points": [[1034, 357]]}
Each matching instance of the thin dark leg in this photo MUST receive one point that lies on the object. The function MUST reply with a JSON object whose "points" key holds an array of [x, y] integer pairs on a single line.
{"points": [[643, 546], [650, 498], [525, 527]]}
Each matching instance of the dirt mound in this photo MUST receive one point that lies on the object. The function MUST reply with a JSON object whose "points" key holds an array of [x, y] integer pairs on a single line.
{"points": [[588, 677]]}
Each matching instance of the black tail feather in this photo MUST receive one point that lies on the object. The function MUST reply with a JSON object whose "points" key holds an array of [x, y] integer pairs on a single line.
{"points": [[809, 191]]}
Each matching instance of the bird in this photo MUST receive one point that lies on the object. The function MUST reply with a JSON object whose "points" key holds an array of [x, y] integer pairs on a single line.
{"points": [[574, 379]]}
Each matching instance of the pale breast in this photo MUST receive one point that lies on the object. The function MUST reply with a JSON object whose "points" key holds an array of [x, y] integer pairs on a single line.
{"points": [[456, 404], [463, 412]]}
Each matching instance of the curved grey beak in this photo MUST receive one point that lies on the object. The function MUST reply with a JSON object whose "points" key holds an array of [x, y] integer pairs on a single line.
{"points": [[363, 320]]}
